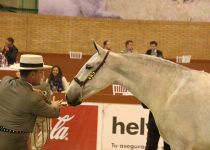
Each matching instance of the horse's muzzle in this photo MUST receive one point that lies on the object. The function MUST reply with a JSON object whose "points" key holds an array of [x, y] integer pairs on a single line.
{"points": [[73, 102]]}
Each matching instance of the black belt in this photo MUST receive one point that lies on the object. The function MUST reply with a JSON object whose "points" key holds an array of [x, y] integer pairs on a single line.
{"points": [[3, 129]]}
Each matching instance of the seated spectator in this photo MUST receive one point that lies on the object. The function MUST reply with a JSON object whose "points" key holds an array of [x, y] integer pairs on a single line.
{"points": [[56, 80], [107, 45], [128, 47], [10, 51], [153, 50]]}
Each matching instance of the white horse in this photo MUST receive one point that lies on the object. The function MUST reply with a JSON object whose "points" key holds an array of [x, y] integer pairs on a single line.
{"points": [[178, 97]]}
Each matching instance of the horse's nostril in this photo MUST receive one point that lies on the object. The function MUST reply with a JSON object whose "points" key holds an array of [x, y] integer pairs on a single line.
{"points": [[73, 98], [74, 103]]}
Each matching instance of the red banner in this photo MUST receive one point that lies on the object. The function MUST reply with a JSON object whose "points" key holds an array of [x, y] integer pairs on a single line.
{"points": [[75, 129]]}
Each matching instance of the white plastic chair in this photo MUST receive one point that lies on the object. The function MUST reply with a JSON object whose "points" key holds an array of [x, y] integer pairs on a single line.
{"points": [[127, 93], [75, 55], [186, 58], [183, 59], [118, 89]]}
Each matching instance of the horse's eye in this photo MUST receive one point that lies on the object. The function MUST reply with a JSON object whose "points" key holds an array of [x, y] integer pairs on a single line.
{"points": [[88, 67]]}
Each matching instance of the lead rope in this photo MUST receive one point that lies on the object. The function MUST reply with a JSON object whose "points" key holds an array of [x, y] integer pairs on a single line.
{"points": [[43, 130], [48, 129]]}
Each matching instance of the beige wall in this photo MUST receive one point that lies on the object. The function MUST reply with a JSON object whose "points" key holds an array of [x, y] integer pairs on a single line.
{"points": [[50, 34], [198, 10]]}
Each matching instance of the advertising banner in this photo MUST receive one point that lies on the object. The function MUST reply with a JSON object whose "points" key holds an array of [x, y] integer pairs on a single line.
{"points": [[100, 127], [124, 127], [75, 129]]}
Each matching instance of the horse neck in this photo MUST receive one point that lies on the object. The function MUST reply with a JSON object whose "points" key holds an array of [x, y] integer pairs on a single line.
{"points": [[151, 80]]}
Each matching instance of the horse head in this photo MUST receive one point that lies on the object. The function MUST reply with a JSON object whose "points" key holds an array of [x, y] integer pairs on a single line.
{"points": [[94, 76]]}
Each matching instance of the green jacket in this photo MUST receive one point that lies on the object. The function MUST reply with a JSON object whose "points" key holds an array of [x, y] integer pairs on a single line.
{"points": [[20, 105]]}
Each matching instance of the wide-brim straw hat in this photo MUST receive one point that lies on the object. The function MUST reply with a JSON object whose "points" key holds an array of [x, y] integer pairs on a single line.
{"points": [[30, 62]]}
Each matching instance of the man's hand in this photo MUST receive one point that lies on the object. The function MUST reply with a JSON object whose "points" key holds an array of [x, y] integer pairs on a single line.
{"points": [[6, 49], [56, 104]]}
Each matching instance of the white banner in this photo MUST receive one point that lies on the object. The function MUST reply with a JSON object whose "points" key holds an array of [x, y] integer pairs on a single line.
{"points": [[123, 127], [182, 10]]}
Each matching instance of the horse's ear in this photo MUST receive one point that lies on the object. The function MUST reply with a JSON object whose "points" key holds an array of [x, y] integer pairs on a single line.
{"points": [[97, 47]]}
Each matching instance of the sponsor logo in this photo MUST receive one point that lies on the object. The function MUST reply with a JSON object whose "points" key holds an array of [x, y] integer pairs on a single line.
{"points": [[131, 128], [60, 131]]}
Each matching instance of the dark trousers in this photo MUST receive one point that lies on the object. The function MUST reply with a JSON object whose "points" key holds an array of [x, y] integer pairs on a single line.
{"points": [[153, 135]]}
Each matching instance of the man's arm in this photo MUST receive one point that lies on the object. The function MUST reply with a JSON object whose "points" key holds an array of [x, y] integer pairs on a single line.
{"points": [[160, 54], [44, 89], [41, 108], [148, 52], [4, 50]]}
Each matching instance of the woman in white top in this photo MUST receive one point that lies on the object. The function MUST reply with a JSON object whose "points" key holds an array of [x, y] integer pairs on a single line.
{"points": [[56, 80]]}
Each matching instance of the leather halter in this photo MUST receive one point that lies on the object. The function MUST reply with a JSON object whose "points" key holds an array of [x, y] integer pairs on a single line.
{"points": [[92, 74]]}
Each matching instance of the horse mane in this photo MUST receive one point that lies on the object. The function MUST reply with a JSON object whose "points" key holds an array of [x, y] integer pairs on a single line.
{"points": [[155, 60]]}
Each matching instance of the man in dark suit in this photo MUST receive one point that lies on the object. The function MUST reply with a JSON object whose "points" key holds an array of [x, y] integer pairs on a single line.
{"points": [[153, 50], [153, 135], [20, 104], [10, 51]]}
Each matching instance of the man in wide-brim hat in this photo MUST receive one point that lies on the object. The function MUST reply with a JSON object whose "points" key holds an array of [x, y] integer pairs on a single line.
{"points": [[20, 104]]}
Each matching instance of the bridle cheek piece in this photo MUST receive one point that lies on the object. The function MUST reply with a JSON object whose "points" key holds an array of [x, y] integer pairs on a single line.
{"points": [[90, 76]]}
